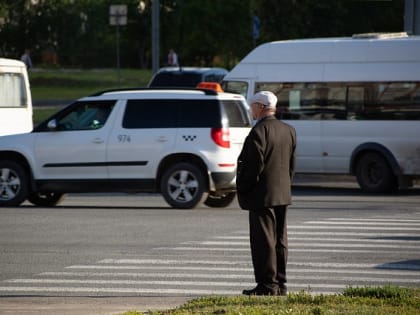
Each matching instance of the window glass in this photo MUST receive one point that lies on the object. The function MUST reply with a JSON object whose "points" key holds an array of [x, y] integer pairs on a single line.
{"points": [[394, 101], [172, 114], [86, 116], [356, 102], [237, 87], [353, 100], [176, 79], [333, 104], [150, 114], [199, 114], [308, 101], [219, 77], [210, 78], [236, 113], [12, 90]]}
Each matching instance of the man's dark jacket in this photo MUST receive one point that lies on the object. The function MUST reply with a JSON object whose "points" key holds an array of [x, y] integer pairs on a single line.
{"points": [[266, 165]]}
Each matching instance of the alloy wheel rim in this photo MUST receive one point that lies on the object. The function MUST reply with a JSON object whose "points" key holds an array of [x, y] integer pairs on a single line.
{"points": [[9, 184]]}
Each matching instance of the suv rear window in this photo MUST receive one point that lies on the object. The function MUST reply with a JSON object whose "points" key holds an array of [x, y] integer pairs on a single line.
{"points": [[236, 113], [172, 114]]}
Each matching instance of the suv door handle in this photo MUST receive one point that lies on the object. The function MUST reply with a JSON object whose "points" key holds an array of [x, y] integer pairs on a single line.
{"points": [[98, 140], [162, 139]]}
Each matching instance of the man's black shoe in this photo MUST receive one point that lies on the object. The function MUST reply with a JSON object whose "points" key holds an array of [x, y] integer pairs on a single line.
{"points": [[259, 291], [282, 291]]}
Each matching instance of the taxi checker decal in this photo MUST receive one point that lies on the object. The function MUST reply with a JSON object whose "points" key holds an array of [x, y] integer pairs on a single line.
{"points": [[189, 137]]}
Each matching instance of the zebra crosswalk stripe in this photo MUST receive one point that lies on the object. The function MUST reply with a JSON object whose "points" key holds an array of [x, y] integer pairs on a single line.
{"points": [[222, 263]]}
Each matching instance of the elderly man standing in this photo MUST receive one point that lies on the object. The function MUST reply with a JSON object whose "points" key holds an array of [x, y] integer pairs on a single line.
{"points": [[265, 171]]}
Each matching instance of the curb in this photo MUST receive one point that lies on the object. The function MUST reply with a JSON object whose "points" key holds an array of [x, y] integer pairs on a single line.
{"points": [[86, 305]]}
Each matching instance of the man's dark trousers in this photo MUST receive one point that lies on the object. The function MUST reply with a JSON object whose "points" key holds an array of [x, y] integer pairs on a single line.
{"points": [[268, 236]]}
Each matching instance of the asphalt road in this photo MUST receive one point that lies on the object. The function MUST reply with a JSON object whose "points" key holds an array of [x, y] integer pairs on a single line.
{"points": [[103, 254]]}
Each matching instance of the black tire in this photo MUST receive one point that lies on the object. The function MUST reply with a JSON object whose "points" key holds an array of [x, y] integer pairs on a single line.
{"points": [[45, 199], [220, 201], [13, 184], [374, 174], [183, 186]]}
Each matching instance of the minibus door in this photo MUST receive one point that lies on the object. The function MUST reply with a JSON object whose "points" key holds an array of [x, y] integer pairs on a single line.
{"points": [[336, 146], [308, 149]]}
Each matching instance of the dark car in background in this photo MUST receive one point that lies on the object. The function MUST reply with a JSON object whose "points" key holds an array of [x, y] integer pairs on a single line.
{"points": [[186, 76]]}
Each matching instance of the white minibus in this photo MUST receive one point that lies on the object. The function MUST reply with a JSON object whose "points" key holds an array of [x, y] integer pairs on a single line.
{"points": [[15, 98], [355, 103]]}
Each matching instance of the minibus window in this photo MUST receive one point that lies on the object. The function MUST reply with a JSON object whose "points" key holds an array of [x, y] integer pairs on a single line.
{"points": [[12, 90]]}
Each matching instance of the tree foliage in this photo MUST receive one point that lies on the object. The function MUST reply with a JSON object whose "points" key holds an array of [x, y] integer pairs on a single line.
{"points": [[203, 32], [288, 19]]}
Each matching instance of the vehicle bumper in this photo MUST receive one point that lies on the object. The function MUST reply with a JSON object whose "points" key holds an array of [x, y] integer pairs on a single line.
{"points": [[223, 181]]}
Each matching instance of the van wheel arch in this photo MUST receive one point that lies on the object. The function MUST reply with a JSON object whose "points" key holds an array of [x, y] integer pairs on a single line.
{"points": [[375, 148], [375, 168]]}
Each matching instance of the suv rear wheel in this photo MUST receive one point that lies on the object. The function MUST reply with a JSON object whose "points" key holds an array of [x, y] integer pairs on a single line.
{"points": [[183, 186], [220, 201], [13, 184]]}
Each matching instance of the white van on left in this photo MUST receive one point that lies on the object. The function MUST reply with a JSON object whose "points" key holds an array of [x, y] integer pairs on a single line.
{"points": [[15, 98]]}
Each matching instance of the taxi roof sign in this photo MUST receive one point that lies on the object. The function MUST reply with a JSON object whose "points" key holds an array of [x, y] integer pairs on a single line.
{"points": [[210, 86]]}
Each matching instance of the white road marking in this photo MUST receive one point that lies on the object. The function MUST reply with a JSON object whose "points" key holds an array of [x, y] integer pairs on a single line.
{"points": [[169, 261], [247, 275], [130, 282], [347, 227], [200, 283], [295, 250], [162, 263], [309, 239], [137, 267], [351, 220], [365, 223], [172, 262], [151, 275], [119, 290], [291, 233]]}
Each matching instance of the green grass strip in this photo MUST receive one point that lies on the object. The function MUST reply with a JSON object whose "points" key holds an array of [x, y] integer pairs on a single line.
{"points": [[361, 301], [71, 84]]}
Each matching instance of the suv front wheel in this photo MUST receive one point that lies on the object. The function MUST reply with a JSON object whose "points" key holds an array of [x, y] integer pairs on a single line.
{"points": [[13, 184], [183, 186]]}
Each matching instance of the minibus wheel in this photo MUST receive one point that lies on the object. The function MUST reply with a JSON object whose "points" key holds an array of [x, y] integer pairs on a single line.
{"points": [[374, 174]]}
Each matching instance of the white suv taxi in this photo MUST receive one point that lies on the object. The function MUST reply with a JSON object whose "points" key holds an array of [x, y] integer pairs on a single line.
{"points": [[181, 143]]}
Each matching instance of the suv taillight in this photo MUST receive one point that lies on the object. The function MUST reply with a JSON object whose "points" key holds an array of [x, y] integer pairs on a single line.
{"points": [[221, 137]]}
